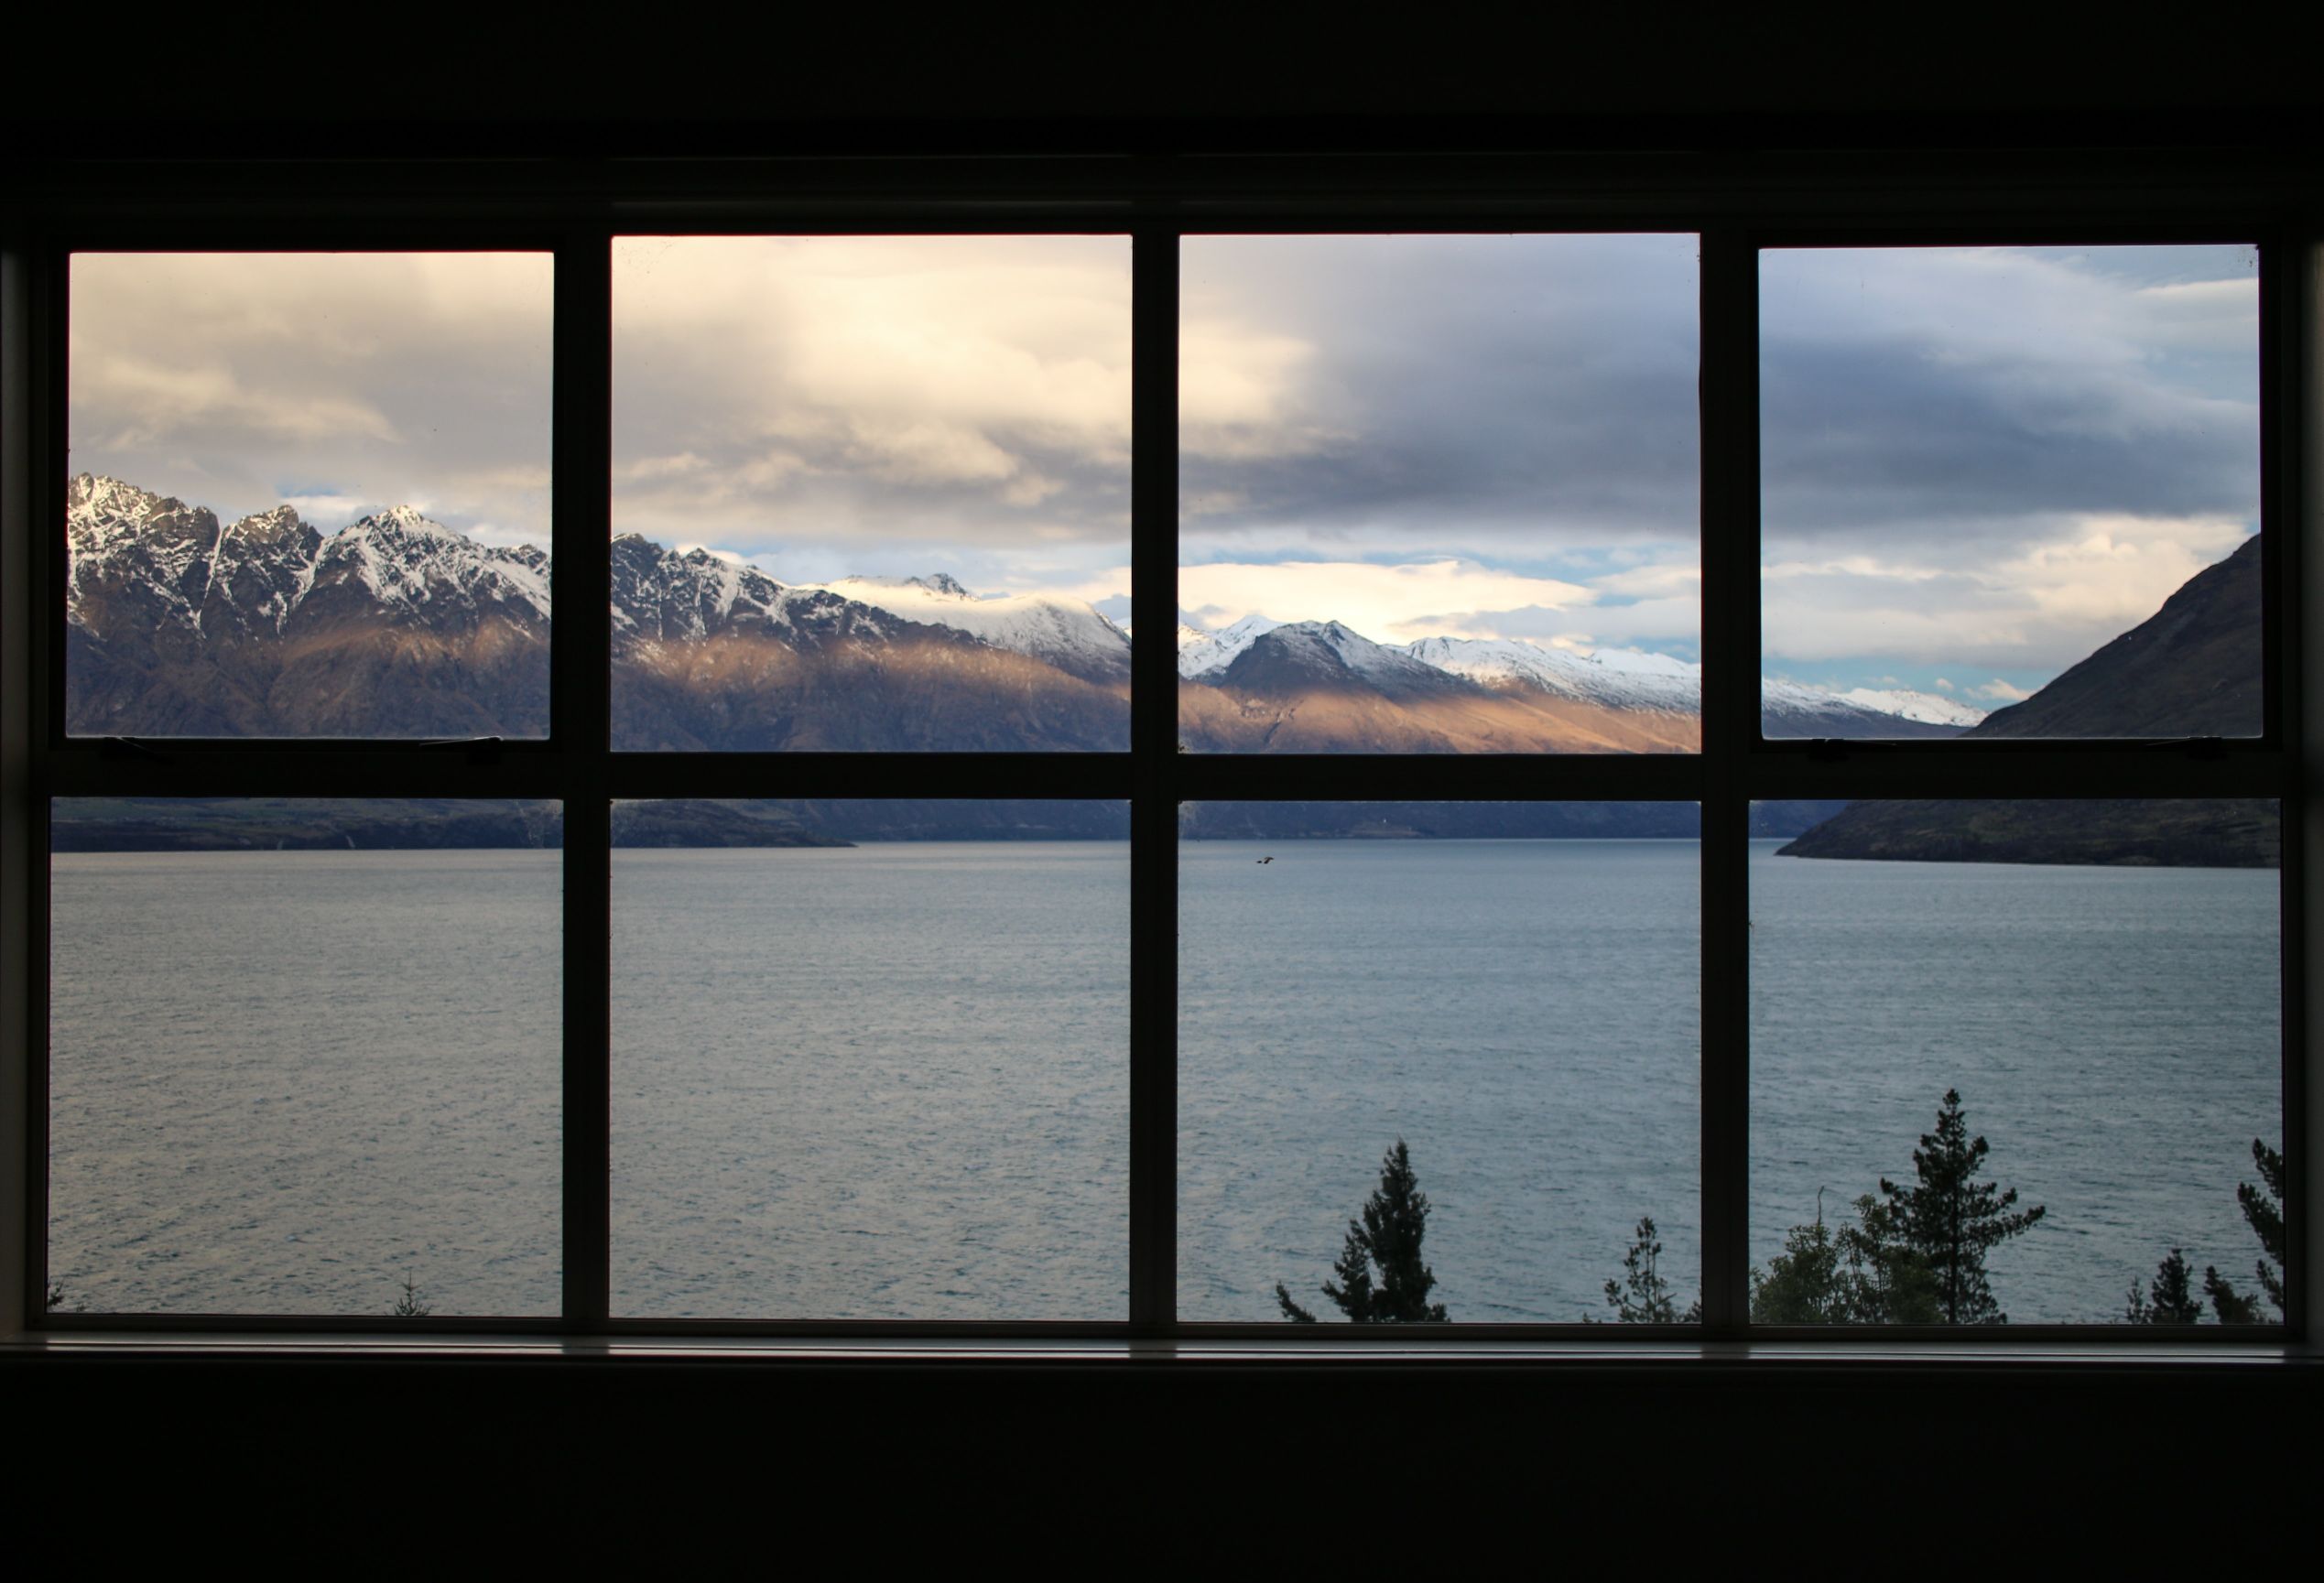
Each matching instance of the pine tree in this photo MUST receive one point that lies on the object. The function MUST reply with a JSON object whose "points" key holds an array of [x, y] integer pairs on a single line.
{"points": [[2232, 1306], [2264, 1213], [1642, 1296], [1803, 1285], [2173, 1301], [1863, 1275], [409, 1306], [1387, 1239], [1886, 1282], [1949, 1221]]}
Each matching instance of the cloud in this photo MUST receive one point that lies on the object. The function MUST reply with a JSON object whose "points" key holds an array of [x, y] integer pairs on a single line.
{"points": [[234, 380], [1998, 689], [1480, 393], [2068, 587], [961, 394], [1386, 603], [1980, 386]]}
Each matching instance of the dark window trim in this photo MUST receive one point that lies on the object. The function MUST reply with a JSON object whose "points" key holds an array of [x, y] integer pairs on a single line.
{"points": [[1737, 205]]}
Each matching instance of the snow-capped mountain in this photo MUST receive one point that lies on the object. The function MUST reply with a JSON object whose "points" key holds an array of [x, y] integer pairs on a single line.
{"points": [[1201, 652], [1928, 708], [260, 572], [1789, 709], [1612, 678], [393, 627], [397, 626], [1066, 633], [1544, 700]]}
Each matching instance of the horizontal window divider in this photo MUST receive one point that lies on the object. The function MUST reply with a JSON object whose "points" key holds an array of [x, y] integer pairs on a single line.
{"points": [[1882, 1356], [892, 775], [1302, 778], [2049, 770], [2100, 1339]]}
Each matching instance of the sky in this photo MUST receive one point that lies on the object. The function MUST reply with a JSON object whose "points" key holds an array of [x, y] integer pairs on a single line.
{"points": [[891, 407], [339, 382], [1980, 465], [1977, 464]]}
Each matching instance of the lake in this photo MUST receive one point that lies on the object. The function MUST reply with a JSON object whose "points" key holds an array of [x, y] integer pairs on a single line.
{"points": [[891, 1082]]}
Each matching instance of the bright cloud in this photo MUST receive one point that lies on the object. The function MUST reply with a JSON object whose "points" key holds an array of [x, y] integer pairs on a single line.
{"points": [[937, 390], [1388, 603], [230, 380]]}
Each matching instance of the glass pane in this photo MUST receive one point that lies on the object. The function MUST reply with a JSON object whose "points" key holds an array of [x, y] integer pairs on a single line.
{"points": [[310, 495], [871, 1061], [2087, 991], [1438, 495], [1505, 992], [303, 1056], [872, 493], [2010, 491]]}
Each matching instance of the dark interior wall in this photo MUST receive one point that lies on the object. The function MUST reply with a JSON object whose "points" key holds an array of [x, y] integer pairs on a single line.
{"points": [[1798, 1471]]}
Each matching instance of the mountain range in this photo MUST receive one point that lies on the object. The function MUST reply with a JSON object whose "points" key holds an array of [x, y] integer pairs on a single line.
{"points": [[1319, 686], [180, 624]]}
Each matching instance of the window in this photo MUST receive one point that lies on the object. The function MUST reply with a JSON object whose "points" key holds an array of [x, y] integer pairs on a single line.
{"points": [[1072, 415]]}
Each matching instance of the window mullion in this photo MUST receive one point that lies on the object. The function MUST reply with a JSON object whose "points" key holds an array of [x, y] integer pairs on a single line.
{"points": [[1154, 855], [1729, 408], [580, 733]]}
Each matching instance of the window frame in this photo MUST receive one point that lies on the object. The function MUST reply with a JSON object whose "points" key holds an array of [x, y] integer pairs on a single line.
{"points": [[148, 206]]}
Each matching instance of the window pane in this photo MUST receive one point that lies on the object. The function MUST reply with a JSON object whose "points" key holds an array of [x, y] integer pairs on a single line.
{"points": [[1438, 495], [310, 495], [303, 1056], [1508, 991], [2010, 491], [871, 1061], [872, 493], [2096, 983]]}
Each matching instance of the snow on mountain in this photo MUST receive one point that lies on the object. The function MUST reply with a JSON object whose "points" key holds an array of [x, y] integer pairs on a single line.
{"points": [[261, 570], [1066, 633], [1200, 651], [1788, 708], [1927, 707], [405, 561], [1304, 654], [1611, 678]]}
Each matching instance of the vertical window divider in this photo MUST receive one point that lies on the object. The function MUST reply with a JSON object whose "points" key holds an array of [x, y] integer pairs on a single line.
{"points": [[581, 737], [1730, 528], [2292, 363], [1153, 845], [23, 1166]]}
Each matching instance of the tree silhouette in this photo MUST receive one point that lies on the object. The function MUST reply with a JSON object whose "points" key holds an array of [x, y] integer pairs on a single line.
{"points": [[2264, 1213], [1388, 1240], [1863, 1275], [1949, 1221], [2173, 1302], [409, 1306], [1642, 1296]]}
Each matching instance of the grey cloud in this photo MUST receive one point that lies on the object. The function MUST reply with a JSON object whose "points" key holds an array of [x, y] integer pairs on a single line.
{"points": [[1872, 434], [1484, 391]]}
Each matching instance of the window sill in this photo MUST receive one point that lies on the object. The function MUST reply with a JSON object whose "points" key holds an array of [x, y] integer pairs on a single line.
{"points": [[1675, 1358]]}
